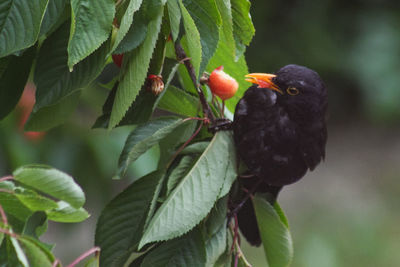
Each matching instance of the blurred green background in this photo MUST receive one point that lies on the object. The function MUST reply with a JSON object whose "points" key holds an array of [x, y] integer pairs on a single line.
{"points": [[346, 212]]}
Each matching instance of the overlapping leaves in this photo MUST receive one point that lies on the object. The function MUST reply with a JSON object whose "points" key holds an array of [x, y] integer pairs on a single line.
{"points": [[35, 194]]}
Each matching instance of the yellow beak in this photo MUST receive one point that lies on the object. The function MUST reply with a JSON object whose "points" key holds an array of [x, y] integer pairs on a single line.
{"points": [[264, 80]]}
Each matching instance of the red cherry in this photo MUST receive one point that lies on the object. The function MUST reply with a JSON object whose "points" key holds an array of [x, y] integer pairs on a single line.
{"points": [[221, 84], [117, 58]]}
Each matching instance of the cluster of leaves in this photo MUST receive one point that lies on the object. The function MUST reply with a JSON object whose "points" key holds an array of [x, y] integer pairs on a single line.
{"points": [[29, 198], [176, 215]]}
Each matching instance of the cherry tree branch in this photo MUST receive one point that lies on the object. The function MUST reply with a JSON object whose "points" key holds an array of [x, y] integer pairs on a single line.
{"points": [[181, 55]]}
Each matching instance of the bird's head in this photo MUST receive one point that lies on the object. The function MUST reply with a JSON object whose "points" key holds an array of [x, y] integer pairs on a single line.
{"points": [[299, 89]]}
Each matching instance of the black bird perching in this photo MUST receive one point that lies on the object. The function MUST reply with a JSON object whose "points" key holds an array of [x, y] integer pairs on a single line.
{"points": [[280, 133]]}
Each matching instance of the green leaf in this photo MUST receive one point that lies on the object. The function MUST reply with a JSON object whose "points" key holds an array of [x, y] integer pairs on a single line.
{"points": [[135, 69], [66, 213], [52, 182], [34, 201], [179, 172], [19, 24], [36, 225], [93, 262], [53, 115], [19, 251], [144, 137], [185, 251], [52, 77], [208, 21], [57, 87], [231, 174], [216, 245], [193, 197], [275, 235], [196, 148], [54, 11], [13, 80], [172, 142], [126, 23], [135, 35], [180, 102], [174, 14], [12, 205], [36, 254], [192, 38], [90, 27], [120, 224], [225, 9], [242, 25], [217, 218]]}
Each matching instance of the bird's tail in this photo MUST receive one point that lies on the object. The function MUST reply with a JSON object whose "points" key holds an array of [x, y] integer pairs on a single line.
{"points": [[247, 218]]}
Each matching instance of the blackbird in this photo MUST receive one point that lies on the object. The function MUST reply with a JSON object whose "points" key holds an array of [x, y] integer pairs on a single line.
{"points": [[280, 133]]}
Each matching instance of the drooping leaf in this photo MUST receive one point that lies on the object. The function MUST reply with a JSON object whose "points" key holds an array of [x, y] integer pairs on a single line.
{"points": [[135, 36], [19, 24], [66, 213], [34, 201], [179, 172], [275, 235], [19, 252], [196, 148], [52, 77], [120, 225], [52, 182], [193, 197], [36, 225], [208, 21], [216, 245], [171, 143], [36, 254], [144, 137], [13, 80], [174, 17], [192, 39], [11, 204], [225, 9], [216, 218], [187, 250], [126, 23], [90, 27], [136, 68], [53, 115], [242, 25], [231, 172], [178, 101], [54, 11]]}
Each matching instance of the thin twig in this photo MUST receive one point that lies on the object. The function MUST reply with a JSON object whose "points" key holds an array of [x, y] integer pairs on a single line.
{"points": [[3, 216], [84, 255], [185, 144], [181, 56], [55, 263], [5, 178], [8, 233]]}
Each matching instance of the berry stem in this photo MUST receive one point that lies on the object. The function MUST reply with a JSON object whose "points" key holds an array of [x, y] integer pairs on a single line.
{"points": [[84, 255]]}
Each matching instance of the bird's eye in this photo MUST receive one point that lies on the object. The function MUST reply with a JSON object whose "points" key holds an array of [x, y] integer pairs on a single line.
{"points": [[292, 91]]}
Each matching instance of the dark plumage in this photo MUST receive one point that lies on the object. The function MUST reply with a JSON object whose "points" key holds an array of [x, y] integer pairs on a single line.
{"points": [[279, 135]]}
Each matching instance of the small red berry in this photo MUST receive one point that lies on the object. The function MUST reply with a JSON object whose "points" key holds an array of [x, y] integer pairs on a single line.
{"points": [[117, 58], [222, 84]]}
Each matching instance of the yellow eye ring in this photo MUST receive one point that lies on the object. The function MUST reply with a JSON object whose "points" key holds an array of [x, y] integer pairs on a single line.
{"points": [[292, 91]]}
